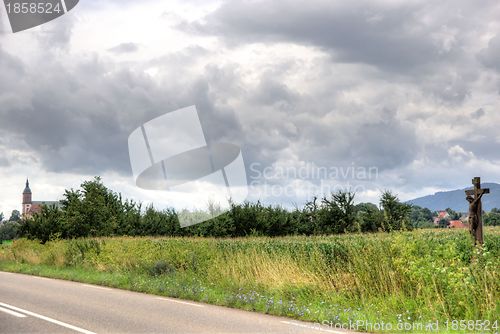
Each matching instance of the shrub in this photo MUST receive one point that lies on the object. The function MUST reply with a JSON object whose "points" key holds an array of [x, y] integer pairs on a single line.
{"points": [[161, 268]]}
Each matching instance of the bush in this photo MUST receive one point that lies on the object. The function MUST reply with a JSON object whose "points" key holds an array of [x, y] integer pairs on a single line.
{"points": [[9, 231], [79, 249], [161, 268]]}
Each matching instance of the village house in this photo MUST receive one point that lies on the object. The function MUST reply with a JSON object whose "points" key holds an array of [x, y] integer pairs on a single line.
{"points": [[444, 215], [457, 224], [441, 215]]}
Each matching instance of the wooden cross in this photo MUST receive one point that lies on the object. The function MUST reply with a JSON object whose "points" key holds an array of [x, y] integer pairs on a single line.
{"points": [[476, 209]]}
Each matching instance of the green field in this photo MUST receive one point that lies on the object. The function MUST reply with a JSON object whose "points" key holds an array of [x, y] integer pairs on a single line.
{"points": [[405, 277]]}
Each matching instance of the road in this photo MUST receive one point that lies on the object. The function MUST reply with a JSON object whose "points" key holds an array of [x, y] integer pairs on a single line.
{"points": [[30, 304]]}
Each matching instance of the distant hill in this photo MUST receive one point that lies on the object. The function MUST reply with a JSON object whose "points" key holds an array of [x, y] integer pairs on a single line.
{"points": [[455, 199]]}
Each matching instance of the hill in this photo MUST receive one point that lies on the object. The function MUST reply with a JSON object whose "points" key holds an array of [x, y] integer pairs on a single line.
{"points": [[455, 199]]}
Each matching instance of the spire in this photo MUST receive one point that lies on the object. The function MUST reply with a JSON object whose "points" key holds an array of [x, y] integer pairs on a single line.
{"points": [[27, 190]]}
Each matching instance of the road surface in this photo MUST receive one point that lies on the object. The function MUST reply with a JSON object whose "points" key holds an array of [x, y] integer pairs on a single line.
{"points": [[30, 304]]}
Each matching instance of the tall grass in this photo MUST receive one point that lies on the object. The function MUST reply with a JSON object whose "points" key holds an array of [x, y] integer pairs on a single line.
{"points": [[418, 276]]}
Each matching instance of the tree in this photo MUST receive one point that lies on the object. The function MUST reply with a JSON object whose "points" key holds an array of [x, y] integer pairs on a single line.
{"points": [[310, 217], [245, 218], [344, 200], [336, 214], [155, 223], [369, 218], [492, 218], [15, 216], [453, 214], [421, 217], [443, 223], [279, 221], [9, 231], [1, 217], [97, 211], [44, 225], [396, 214]]}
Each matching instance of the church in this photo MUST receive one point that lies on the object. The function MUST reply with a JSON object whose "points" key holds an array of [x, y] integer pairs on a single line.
{"points": [[31, 207]]}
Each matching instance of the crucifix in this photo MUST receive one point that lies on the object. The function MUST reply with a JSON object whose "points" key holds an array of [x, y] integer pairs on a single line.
{"points": [[476, 210]]}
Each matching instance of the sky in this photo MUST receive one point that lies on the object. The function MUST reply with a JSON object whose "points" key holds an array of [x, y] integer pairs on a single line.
{"points": [[409, 89]]}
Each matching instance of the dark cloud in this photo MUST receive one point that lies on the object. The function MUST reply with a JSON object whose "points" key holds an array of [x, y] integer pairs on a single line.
{"points": [[381, 141], [393, 37], [70, 127], [125, 48], [422, 43], [77, 118], [490, 56], [279, 123], [72, 117]]}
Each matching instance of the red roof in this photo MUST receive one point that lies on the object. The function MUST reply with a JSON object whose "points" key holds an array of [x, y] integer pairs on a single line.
{"points": [[457, 224], [442, 214]]}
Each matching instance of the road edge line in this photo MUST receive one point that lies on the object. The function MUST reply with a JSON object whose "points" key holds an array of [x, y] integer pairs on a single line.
{"points": [[42, 317], [14, 313], [178, 301]]}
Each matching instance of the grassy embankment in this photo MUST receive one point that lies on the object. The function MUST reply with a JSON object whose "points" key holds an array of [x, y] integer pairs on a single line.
{"points": [[412, 277]]}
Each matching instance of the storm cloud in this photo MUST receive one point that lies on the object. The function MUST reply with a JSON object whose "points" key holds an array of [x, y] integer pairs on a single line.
{"points": [[410, 88]]}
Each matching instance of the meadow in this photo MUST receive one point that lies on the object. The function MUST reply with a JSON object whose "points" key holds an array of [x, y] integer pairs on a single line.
{"points": [[401, 277]]}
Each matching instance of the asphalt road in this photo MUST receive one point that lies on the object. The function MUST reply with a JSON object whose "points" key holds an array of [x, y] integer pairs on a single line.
{"points": [[30, 304]]}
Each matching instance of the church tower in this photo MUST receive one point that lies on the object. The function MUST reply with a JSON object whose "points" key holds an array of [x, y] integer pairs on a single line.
{"points": [[27, 202]]}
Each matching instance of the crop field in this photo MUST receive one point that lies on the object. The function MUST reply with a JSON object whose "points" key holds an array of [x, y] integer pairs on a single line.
{"points": [[403, 277]]}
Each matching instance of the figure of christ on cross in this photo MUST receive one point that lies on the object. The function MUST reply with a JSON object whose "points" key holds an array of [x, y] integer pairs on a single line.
{"points": [[476, 210]]}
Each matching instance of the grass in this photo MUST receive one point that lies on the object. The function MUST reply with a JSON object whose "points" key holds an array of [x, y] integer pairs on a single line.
{"points": [[411, 277]]}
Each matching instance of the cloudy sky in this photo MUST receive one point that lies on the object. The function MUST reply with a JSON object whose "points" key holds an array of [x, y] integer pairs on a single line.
{"points": [[411, 88]]}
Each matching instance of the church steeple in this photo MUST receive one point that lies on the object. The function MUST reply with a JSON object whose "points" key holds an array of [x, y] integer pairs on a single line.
{"points": [[27, 193], [27, 190]]}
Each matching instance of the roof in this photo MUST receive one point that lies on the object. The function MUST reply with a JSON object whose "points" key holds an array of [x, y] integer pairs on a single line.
{"points": [[27, 190], [456, 224], [47, 203], [443, 214]]}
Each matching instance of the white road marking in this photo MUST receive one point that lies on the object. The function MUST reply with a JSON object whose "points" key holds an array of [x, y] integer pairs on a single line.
{"points": [[96, 287], [179, 302], [15, 314], [318, 328], [54, 321]]}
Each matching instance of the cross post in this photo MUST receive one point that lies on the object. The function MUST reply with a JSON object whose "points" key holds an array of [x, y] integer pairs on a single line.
{"points": [[476, 209]]}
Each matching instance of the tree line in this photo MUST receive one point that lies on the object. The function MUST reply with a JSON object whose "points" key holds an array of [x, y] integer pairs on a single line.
{"points": [[94, 210]]}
